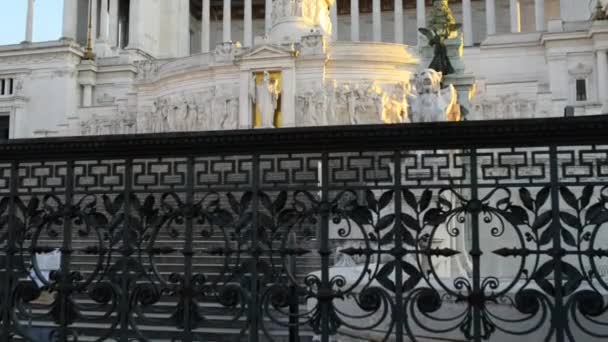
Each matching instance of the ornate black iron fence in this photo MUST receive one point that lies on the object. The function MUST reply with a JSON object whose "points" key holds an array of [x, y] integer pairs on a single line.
{"points": [[448, 231]]}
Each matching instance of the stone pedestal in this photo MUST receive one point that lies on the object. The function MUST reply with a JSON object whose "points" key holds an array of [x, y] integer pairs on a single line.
{"points": [[465, 87], [293, 20], [455, 48]]}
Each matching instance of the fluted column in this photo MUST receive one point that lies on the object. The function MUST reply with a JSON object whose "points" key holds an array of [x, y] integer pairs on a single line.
{"points": [[70, 10], [515, 16], [184, 10], [377, 20], [268, 16], [539, 14], [29, 24], [134, 6], [354, 20], [103, 21], [467, 22], [227, 16], [399, 21], [420, 13], [205, 26], [248, 27], [333, 15], [113, 26], [94, 19], [602, 77], [491, 17]]}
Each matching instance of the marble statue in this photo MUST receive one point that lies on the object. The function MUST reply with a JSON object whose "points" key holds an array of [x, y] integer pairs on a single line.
{"points": [[429, 102], [266, 97]]}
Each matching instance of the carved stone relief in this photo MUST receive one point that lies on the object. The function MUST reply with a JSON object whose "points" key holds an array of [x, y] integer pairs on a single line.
{"points": [[510, 106], [147, 70], [364, 102], [123, 123], [215, 108]]}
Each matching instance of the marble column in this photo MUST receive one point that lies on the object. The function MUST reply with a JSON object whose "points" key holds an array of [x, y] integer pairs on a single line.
{"points": [[377, 20], [205, 26], [420, 14], [226, 20], [113, 26], [514, 12], [467, 22], [399, 21], [248, 27], [87, 95], [94, 11], [134, 6], [354, 20], [288, 98], [333, 16], [539, 14], [29, 24], [267, 16], [245, 107], [70, 11], [104, 18], [184, 10], [491, 17], [602, 77]]}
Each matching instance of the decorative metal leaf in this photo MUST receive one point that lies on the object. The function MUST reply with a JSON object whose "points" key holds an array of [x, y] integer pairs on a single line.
{"points": [[385, 199], [406, 236], [542, 196], [570, 219], [410, 222], [246, 201], [234, 204], [149, 203], [4, 204], [265, 200], [385, 222], [593, 212], [387, 238], [526, 198], [568, 197], [410, 199], [516, 215], [414, 276], [433, 217], [568, 238], [32, 206], [361, 215], [370, 198], [547, 236], [107, 203], [118, 203], [586, 196], [425, 200], [542, 220], [280, 202], [383, 276], [541, 275], [601, 218]]}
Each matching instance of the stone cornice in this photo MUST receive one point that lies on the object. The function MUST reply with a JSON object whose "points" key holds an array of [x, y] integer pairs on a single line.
{"points": [[29, 49], [445, 135]]}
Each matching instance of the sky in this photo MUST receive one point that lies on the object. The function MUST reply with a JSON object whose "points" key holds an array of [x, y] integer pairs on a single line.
{"points": [[47, 20]]}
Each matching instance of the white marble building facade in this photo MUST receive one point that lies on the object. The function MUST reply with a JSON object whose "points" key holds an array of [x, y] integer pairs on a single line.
{"points": [[183, 65]]}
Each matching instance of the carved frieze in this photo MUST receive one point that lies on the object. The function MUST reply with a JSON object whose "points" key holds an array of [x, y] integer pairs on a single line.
{"points": [[364, 102], [215, 108]]}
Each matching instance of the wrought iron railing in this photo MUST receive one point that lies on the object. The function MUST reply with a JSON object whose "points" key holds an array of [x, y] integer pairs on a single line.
{"points": [[455, 231]]}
